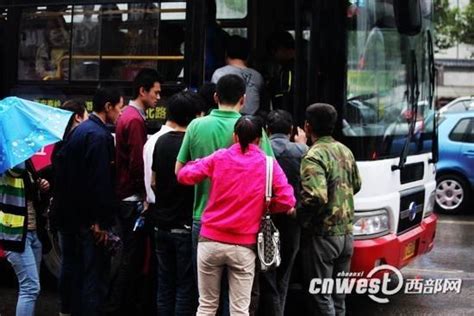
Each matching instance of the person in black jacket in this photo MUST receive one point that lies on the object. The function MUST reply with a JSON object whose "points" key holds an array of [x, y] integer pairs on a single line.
{"points": [[85, 205]]}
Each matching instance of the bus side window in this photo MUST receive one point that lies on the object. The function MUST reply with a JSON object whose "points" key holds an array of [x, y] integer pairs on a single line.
{"points": [[109, 41], [85, 42], [44, 43]]}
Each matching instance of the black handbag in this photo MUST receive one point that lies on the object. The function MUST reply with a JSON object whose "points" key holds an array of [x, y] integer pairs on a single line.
{"points": [[268, 238]]}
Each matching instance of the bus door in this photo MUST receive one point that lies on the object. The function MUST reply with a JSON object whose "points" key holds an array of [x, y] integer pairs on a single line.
{"points": [[222, 19]]}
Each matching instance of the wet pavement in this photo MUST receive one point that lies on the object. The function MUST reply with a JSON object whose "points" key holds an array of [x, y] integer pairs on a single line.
{"points": [[452, 257]]}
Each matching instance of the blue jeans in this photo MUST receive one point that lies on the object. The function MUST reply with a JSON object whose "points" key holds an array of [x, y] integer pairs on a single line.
{"points": [[84, 273], [27, 267], [176, 287], [224, 297]]}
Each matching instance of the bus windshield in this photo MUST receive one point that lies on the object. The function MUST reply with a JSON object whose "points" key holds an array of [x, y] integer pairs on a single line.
{"points": [[377, 115]]}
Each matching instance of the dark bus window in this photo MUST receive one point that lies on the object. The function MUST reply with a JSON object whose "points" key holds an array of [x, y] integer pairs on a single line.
{"points": [[44, 43], [131, 37], [109, 42]]}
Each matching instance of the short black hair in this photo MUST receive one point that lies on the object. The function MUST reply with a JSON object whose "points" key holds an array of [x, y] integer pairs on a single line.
{"points": [[145, 78], [77, 106], [237, 47], [248, 128], [281, 39], [322, 118], [183, 107], [230, 88], [207, 92], [279, 121], [104, 95]]}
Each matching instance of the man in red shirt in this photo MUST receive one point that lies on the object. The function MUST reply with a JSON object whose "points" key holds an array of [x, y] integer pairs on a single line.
{"points": [[131, 135]]}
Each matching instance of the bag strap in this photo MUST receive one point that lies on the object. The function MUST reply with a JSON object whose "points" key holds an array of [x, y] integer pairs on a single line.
{"points": [[268, 181], [268, 197]]}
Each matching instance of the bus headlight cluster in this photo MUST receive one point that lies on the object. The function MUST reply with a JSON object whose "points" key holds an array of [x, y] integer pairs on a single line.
{"points": [[370, 224]]}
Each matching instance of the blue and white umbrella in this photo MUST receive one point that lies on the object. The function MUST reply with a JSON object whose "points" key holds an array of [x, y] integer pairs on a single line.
{"points": [[26, 127]]}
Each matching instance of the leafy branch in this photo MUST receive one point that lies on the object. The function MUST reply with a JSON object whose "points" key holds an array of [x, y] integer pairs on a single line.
{"points": [[453, 25]]}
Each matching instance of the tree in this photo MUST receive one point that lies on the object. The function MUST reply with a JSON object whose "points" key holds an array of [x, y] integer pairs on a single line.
{"points": [[446, 24], [466, 29]]}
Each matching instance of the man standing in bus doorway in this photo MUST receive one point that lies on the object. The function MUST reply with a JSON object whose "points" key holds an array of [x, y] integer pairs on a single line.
{"points": [[282, 82], [237, 53], [329, 181], [131, 136]]}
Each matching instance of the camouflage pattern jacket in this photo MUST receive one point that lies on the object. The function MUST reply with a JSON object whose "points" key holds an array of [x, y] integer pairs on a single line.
{"points": [[329, 180]]}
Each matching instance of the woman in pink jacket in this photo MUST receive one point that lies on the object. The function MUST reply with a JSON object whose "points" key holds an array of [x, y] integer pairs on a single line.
{"points": [[231, 220]]}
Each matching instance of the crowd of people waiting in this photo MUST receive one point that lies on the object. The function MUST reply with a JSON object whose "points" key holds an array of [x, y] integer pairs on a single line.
{"points": [[199, 184]]}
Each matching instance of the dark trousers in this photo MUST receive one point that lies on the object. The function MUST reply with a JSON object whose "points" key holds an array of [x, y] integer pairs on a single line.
{"points": [[274, 284], [70, 264], [176, 287], [325, 257], [224, 297], [124, 295], [84, 274]]}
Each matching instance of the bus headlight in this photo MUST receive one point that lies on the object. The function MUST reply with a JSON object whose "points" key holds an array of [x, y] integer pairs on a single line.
{"points": [[371, 224]]}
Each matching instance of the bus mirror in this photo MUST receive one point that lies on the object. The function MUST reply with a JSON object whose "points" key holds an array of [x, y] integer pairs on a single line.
{"points": [[408, 16]]}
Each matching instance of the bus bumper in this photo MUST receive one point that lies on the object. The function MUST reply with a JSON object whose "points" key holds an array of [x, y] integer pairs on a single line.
{"points": [[394, 250]]}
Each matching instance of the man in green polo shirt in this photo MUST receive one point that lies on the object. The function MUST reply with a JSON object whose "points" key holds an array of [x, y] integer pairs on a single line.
{"points": [[207, 134]]}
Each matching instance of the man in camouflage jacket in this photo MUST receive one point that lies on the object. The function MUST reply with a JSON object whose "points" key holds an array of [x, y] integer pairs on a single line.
{"points": [[329, 180]]}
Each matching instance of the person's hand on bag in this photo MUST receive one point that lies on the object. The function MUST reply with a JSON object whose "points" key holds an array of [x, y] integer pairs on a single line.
{"points": [[43, 185]]}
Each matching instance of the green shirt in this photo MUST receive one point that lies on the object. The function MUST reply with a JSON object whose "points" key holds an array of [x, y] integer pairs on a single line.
{"points": [[204, 136], [329, 180]]}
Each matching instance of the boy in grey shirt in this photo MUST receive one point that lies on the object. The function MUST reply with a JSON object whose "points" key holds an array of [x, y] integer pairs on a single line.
{"points": [[237, 52]]}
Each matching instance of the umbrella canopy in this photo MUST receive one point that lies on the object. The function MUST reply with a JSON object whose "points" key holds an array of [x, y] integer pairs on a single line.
{"points": [[25, 127]]}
